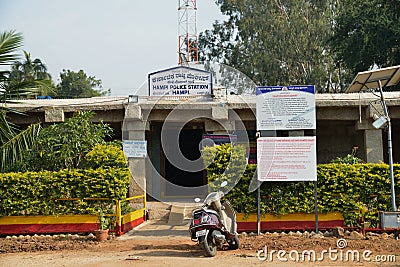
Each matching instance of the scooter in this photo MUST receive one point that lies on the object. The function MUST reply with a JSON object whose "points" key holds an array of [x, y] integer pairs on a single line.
{"points": [[214, 224]]}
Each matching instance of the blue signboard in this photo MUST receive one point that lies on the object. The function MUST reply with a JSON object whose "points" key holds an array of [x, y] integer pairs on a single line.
{"points": [[285, 107], [302, 88]]}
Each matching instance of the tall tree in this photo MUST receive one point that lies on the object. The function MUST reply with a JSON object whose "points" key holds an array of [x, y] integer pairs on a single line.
{"points": [[31, 74], [13, 143], [367, 34], [79, 85], [275, 42]]}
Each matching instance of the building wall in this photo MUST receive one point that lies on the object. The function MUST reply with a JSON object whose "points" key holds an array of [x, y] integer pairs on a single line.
{"points": [[337, 139]]}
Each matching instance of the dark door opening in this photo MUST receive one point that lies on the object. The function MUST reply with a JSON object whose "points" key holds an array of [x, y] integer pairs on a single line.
{"points": [[185, 175]]}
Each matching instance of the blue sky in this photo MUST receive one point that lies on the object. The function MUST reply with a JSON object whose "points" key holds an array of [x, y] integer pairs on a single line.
{"points": [[119, 42]]}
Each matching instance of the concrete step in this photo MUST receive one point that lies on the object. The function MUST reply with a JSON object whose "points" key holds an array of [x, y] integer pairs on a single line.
{"points": [[158, 211], [177, 215]]}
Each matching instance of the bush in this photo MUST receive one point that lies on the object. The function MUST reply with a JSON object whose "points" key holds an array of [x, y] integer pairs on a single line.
{"points": [[105, 155], [64, 145], [224, 163], [357, 191], [39, 193]]}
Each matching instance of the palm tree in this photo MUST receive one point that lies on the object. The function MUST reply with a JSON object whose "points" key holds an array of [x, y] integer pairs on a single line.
{"points": [[12, 142], [29, 77]]}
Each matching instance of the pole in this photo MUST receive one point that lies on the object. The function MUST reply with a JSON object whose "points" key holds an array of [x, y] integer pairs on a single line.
{"points": [[316, 205], [390, 147], [258, 208]]}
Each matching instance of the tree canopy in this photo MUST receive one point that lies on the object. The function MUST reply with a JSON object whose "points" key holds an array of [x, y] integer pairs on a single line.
{"points": [[367, 34], [78, 85], [274, 42], [29, 77], [288, 42]]}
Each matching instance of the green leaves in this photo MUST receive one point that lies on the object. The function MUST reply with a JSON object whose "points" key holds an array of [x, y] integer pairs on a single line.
{"points": [[224, 163], [103, 155], [367, 35], [275, 42], [11, 148], [64, 145], [36, 193], [9, 43], [78, 85]]}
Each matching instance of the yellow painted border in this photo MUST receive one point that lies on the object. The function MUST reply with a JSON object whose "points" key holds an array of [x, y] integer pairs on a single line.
{"points": [[300, 217], [133, 215], [49, 219]]}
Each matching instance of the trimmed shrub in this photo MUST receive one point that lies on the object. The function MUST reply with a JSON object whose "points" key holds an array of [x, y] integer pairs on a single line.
{"points": [[105, 155], [39, 193]]}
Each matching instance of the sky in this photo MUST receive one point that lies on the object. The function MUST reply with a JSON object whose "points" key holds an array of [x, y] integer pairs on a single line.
{"points": [[119, 42]]}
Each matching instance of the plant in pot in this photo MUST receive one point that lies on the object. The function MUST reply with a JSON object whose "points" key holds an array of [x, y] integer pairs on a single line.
{"points": [[102, 233]]}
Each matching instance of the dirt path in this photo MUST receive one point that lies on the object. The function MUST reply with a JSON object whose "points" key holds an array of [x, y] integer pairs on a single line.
{"points": [[156, 243]]}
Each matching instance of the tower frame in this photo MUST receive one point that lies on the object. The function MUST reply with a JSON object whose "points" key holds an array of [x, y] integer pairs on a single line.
{"points": [[188, 45]]}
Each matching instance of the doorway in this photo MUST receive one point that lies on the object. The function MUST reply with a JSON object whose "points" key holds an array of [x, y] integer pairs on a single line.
{"points": [[183, 168]]}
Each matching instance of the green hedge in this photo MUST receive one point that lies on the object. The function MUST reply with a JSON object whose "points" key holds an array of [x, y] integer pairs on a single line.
{"points": [[358, 190], [36, 193]]}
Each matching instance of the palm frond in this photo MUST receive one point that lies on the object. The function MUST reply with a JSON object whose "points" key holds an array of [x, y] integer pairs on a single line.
{"points": [[13, 150], [9, 43], [29, 89], [7, 130]]}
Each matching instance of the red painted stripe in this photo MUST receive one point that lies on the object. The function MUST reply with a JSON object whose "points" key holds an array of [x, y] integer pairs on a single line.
{"points": [[294, 225], [130, 225], [15, 229]]}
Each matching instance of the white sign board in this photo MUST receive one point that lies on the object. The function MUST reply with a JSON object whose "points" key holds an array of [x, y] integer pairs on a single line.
{"points": [[285, 107], [135, 149], [287, 158], [180, 81]]}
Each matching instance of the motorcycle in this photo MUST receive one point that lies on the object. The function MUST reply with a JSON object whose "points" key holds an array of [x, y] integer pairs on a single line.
{"points": [[214, 224]]}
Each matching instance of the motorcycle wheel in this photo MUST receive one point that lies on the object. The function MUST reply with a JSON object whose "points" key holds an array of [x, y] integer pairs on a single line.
{"points": [[209, 246], [235, 243]]}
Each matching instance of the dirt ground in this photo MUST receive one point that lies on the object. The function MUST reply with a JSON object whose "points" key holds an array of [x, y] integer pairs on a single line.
{"points": [[181, 251]]}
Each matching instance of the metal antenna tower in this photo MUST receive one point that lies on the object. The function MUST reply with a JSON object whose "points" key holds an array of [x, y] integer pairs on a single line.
{"points": [[188, 46]]}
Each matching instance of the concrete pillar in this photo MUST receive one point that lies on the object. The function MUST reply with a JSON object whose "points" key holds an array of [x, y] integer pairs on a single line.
{"points": [[372, 141], [134, 128], [220, 113], [220, 123], [137, 166], [137, 184], [373, 145]]}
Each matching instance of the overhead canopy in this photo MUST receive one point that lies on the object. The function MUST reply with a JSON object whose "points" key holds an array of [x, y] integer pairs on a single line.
{"points": [[369, 79]]}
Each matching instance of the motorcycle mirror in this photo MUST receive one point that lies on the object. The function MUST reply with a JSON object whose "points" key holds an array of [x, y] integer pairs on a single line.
{"points": [[224, 183], [197, 200]]}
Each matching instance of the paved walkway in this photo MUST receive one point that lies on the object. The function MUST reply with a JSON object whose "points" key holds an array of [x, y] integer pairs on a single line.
{"points": [[157, 229], [175, 225]]}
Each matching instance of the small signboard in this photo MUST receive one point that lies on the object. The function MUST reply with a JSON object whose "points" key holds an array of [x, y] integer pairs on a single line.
{"points": [[285, 107], [135, 148], [287, 158], [180, 81]]}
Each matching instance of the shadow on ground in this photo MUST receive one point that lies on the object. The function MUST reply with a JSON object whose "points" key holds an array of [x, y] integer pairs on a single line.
{"points": [[159, 228], [172, 250]]}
